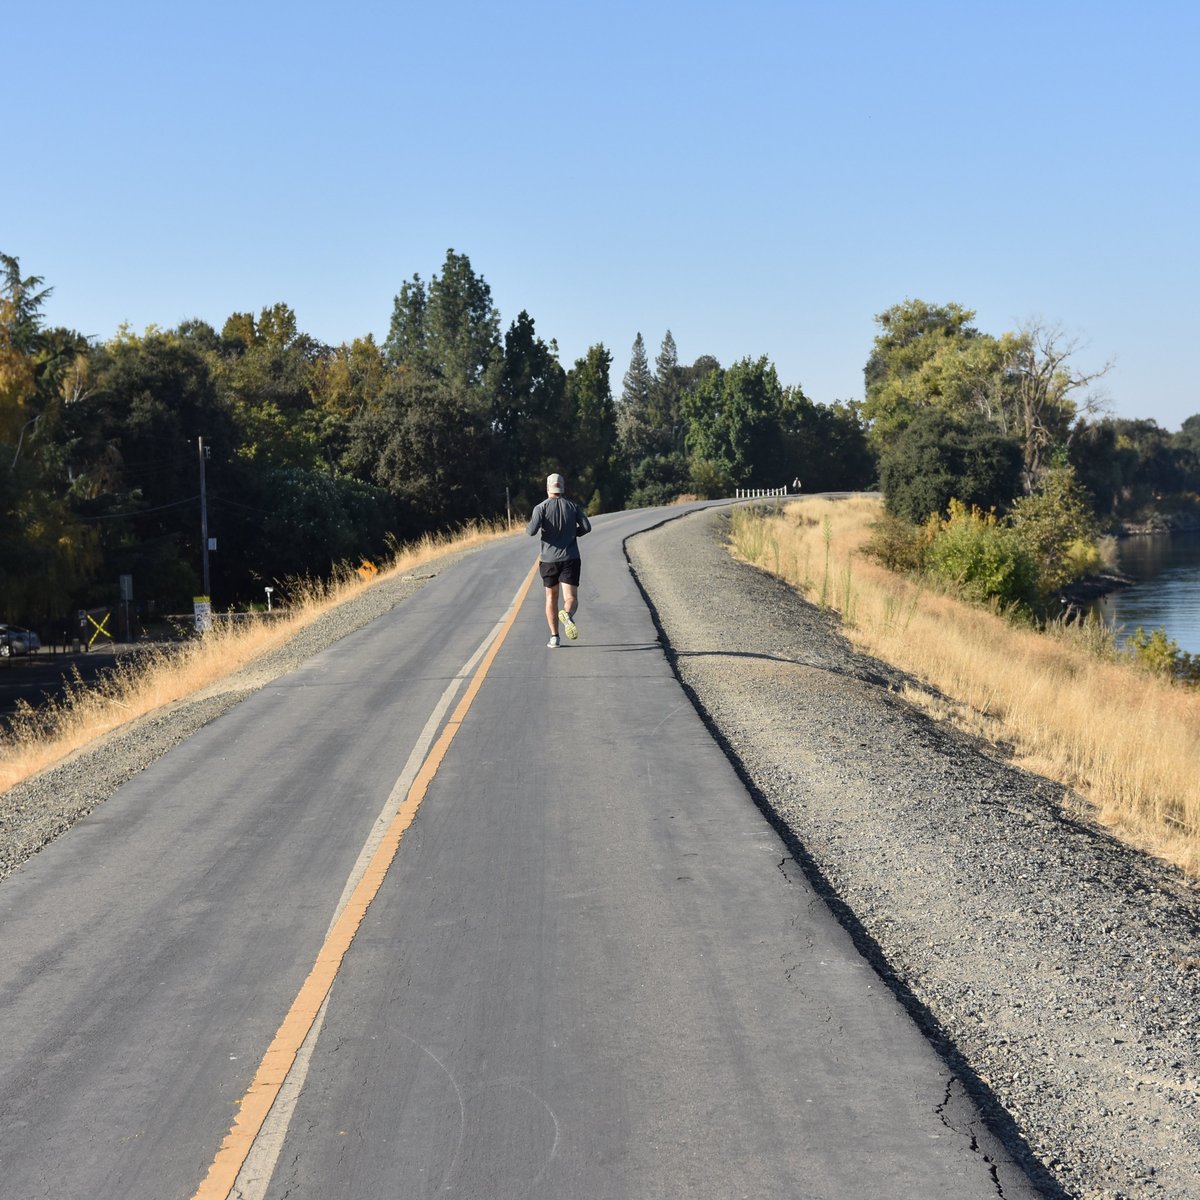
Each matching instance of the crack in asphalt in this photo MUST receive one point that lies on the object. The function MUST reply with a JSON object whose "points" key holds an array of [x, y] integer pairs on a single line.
{"points": [[974, 1147]]}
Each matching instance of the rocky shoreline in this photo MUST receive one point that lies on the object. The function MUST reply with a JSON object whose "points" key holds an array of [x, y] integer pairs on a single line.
{"points": [[1158, 523]]}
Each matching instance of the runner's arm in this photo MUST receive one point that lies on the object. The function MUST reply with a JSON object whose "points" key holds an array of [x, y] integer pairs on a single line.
{"points": [[535, 522]]}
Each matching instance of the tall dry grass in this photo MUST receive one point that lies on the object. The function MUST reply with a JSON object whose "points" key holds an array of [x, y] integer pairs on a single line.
{"points": [[1069, 706], [160, 675]]}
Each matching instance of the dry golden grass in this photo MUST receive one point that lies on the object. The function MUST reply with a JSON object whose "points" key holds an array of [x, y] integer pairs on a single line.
{"points": [[161, 675], [1125, 740]]}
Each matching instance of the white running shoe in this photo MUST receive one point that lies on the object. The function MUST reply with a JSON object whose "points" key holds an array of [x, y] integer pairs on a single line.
{"points": [[553, 642], [568, 624]]}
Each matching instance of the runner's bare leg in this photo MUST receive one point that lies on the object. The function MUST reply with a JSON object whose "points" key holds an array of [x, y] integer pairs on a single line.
{"points": [[570, 597]]}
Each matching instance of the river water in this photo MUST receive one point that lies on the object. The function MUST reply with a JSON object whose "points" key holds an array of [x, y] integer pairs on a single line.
{"points": [[1166, 593]]}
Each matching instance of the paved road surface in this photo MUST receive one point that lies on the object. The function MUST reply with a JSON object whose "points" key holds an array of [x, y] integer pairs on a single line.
{"points": [[591, 971]]}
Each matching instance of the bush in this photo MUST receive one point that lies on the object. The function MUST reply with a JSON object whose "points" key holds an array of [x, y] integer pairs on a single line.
{"points": [[1161, 655], [983, 557], [710, 478], [1058, 531], [1082, 558], [658, 480], [899, 545]]}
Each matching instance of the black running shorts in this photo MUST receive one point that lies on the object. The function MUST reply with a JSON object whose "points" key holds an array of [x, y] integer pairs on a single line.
{"points": [[554, 573]]}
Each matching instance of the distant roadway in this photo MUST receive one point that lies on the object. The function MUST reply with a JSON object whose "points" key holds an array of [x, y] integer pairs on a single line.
{"points": [[591, 969]]}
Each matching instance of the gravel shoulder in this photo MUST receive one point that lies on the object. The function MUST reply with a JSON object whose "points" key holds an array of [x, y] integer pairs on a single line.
{"points": [[1056, 970]]}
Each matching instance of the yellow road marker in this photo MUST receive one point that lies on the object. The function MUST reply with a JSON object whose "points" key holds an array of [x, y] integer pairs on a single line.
{"points": [[281, 1054]]}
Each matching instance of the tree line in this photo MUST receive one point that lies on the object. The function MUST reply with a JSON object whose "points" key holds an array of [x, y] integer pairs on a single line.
{"points": [[953, 412], [316, 454]]}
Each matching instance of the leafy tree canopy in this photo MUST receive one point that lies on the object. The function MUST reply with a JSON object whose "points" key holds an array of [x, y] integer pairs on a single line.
{"points": [[936, 458]]}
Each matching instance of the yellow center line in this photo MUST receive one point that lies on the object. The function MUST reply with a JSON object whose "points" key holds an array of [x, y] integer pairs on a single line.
{"points": [[281, 1054]]}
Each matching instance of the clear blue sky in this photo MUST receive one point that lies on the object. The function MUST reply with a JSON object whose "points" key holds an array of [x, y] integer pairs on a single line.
{"points": [[759, 178]]}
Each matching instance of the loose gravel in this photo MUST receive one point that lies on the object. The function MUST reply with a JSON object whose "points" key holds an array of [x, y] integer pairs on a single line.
{"points": [[1055, 969]]}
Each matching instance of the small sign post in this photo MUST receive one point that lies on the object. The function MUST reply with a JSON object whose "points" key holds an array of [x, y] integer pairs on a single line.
{"points": [[202, 608]]}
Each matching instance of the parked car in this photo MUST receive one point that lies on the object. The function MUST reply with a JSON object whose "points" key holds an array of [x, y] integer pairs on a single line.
{"points": [[14, 640]]}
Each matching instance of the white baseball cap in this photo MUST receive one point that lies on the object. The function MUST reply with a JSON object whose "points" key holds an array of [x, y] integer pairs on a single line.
{"points": [[555, 485]]}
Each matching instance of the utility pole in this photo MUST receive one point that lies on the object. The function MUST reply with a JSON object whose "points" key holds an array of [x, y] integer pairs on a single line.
{"points": [[204, 452]]}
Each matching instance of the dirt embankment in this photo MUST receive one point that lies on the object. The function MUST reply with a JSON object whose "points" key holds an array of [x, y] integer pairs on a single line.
{"points": [[1057, 970]]}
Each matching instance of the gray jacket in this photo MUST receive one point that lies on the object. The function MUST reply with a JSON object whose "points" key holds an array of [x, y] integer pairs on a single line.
{"points": [[560, 521]]}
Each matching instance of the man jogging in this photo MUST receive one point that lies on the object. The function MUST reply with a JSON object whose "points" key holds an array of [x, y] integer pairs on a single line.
{"points": [[560, 521]]}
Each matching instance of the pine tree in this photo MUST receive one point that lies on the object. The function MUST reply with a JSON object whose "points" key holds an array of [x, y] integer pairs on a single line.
{"points": [[634, 429], [597, 479], [666, 418], [406, 339], [462, 325]]}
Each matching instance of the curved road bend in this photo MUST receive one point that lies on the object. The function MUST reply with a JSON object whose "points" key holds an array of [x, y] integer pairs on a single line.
{"points": [[591, 970]]}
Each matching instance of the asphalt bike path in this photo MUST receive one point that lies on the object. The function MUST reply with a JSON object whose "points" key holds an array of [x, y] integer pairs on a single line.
{"points": [[590, 970]]}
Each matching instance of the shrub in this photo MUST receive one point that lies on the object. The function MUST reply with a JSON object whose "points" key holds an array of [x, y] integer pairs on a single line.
{"points": [[983, 557], [658, 480], [1082, 558], [899, 545], [710, 478], [1161, 655], [1056, 527]]}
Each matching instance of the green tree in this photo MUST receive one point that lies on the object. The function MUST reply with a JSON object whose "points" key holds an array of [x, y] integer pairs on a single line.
{"points": [[1188, 437], [1131, 467], [936, 458], [428, 448], [1186, 447], [294, 522], [667, 398], [651, 426], [344, 381], [743, 418], [659, 480], [267, 375], [446, 335], [464, 324], [451, 330], [407, 339], [825, 446], [691, 377], [46, 552], [138, 475], [1022, 384], [530, 415], [908, 362], [594, 468], [635, 428]]}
